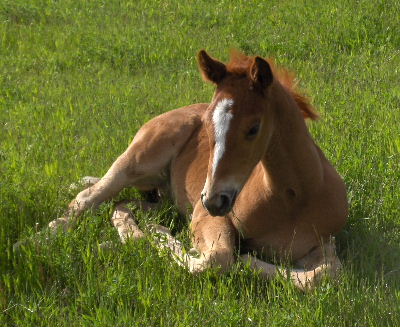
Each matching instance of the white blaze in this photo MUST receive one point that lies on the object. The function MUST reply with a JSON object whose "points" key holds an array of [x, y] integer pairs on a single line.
{"points": [[221, 119]]}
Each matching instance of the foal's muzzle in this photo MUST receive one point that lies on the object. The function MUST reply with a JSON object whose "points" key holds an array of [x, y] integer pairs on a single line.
{"points": [[220, 203]]}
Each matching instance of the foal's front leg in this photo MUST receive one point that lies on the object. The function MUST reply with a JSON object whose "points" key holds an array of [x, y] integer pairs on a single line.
{"points": [[165, 241], [321, 262], [213, 239], [124, 222]]}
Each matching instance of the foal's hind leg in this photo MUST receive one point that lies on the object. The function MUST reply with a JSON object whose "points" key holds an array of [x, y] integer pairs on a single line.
{"points": [[107, 187], [320, 262], [143, 165]]}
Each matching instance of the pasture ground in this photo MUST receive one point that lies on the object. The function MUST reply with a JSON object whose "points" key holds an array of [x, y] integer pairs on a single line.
{"points": [[77, 80]]}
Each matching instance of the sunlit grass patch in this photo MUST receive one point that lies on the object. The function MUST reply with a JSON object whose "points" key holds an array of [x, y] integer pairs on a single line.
{"points": [[79, 78]]}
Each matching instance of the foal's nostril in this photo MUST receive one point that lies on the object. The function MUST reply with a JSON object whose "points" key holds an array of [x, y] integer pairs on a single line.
{"points": [[225, 201], [219, 204]]}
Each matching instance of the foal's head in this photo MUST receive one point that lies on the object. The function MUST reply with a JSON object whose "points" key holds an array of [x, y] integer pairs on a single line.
{"points": [[238, 123]]}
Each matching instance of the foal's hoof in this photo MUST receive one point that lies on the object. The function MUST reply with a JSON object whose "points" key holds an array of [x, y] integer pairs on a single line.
{"points": [[62, 224]]}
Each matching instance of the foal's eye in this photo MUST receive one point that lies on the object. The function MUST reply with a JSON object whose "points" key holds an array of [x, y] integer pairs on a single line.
{"points": [[253, 131]]}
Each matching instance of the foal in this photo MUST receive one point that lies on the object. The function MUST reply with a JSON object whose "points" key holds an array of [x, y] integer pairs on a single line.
{"points": [[248, 167]]}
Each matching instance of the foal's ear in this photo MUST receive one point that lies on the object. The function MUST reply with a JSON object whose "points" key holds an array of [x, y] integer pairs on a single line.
{"points": [[261, 73], [211, 69]]}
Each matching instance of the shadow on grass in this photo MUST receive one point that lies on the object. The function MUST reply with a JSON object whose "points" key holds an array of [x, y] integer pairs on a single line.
{"points": [[371, 251]]}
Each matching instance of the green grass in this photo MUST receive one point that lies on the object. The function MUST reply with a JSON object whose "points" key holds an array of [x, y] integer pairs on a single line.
{"points": [[77, 80]]}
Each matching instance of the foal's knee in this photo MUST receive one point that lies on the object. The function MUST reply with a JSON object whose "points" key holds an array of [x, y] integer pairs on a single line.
{"points": [[222, 259]]}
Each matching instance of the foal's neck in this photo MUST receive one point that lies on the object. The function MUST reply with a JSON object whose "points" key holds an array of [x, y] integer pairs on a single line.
{"points": [[292, 161]]}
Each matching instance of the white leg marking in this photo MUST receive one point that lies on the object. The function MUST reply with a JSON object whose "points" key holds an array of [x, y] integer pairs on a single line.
{"points": [[303, 279], [165, 241], [221, 119]]}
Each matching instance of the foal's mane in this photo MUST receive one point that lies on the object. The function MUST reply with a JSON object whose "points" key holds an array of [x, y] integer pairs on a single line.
{"points": [[239, 64]]}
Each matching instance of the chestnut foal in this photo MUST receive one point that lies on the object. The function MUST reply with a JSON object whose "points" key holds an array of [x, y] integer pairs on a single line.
{"points": [[248, 167]]}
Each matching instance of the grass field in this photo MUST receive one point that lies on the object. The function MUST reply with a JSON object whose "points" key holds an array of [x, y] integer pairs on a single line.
{"points": [[77, 80]]}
